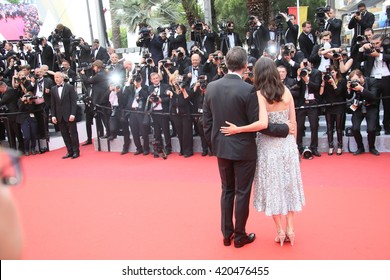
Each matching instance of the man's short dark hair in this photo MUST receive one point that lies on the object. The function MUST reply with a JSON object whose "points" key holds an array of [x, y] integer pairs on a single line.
{"points": [[236, 59], [377, 37], [306, 23], [2, 84], [361, 5]]}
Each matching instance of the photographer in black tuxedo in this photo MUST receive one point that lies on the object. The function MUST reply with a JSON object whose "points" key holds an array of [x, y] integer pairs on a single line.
{"points": [[309, 82], [158, 101], [290, 58], [98, 95], [64, 34], [258, 37], [361, 20], [291, 34], [376, 59], [333, 25], [364, 106]]}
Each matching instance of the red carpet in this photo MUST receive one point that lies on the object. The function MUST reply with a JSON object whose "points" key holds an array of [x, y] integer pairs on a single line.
{"points": [[12, 28], [107, 206]]}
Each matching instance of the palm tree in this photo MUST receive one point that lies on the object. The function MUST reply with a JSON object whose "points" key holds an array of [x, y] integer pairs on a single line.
{"points": [[259, 8], [191, 10], [116, 32]]}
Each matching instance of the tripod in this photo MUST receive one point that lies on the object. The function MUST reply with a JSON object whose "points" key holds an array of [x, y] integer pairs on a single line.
{"points": [[224, 42], [279, 37]]}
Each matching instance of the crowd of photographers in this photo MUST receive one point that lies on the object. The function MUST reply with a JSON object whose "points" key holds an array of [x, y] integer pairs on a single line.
{"points": [[164, 93]]}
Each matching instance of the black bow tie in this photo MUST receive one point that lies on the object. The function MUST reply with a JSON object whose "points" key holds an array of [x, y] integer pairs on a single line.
{"points": [[157, 87], [195, 68], [59, 86]]}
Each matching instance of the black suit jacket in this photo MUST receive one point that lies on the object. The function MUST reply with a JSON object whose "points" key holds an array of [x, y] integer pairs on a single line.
{"points": [[370, 60], [64, 106], [47, 57], [10, 99], [366, 22], [99, 88], [165, 99], [291, 34], [102, 55], [231, 99], [225, 45], [258, 42], [176, 42], [305, 44], [334, 26], [314, 87]]}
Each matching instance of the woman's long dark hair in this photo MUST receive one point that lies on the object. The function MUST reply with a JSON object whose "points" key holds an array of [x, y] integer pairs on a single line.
{"points": [[267, 80]]}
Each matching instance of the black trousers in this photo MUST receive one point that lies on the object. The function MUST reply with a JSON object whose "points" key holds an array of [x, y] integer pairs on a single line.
{"points": [[312, 114], [371, 118], [199, 124], [331, 120], [235, 197], [138, 129], [161, 126], [382, 88], [118, 122], [183, 124], [70, 136]]}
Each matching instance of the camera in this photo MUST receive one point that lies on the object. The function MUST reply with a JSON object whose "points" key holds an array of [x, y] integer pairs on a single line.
{"points": [[354, 84], [179, 54], [85, 66], [30, 97], [75, 42], [279, 20], [136, 78], [202, 79], [144, 33], [223, 67], [148, 58], [223, 28], [252, 21], [336, 55], [304, 72], [327, 76], [167, 64], [198, 26], [286, 50], [36, 41]]}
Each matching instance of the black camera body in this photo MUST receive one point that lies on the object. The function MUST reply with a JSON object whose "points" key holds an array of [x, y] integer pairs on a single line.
{"points": [[304, 72], [198, 26], [223, 67], [286, 50], [202, 79], [30, 97], [153, 98], [354, 84]]}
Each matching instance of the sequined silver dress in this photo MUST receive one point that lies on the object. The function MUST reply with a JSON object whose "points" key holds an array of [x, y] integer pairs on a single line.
{"points": [[278, 183]]}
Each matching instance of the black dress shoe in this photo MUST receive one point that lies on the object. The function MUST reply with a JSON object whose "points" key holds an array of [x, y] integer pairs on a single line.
{"points": [[228, 240], [168, 151], [104, 136], [76, 155], [86, 143], [316, 153], [358, 152], [155, 155], [204, 153], [245, 240], [189, 155], [67, 156], [124, 152], [374, 152], [138, 152], [146, 153]]}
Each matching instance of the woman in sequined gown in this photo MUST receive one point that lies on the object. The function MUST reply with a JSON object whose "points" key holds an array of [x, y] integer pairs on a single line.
{"points": [[278, 189]]}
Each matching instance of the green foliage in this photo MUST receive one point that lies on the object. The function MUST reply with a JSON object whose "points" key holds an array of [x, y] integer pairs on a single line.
{"points": [[13, 1], [123, 30], [234, 10]]}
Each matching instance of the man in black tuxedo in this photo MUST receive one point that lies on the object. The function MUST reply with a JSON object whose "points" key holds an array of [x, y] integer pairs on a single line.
{"points": [[65, 33], [231, 99], [158, 102], [64, 106], [307, 39], [258, 37], [194, 70], [47, 54], [290, 58], [137, 96], [229, 39], [291, 34], [98, 52], [9, 51], [9, 98], [308, 95], [99, 95], [360, 21], [333, 25]]}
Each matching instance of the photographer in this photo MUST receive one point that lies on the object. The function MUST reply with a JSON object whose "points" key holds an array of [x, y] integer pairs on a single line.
{"points": [[194, 71], [84, 53], [28, 122], [177, 39], [210, 68], [290, 83], [290, 58], [98, 52], [229, 38], [181, 60], [207, 37], [195, 49], [333, 25], [13, 64], [9, 99], [137, 98], [257, 38], [46, 53], [309, 82], [147, 68], [333, 90], [153, 42], [70, 74], [376, 59], [322, 55], [64, 34], [98, 96], [21, 84], [307, 39], [180, 113], [291, 34], [116, 71], [364, 106], [158, 101], [8, 52], [165, 69], [360, 20]]}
